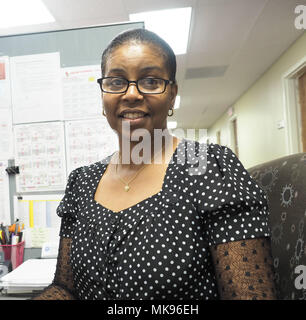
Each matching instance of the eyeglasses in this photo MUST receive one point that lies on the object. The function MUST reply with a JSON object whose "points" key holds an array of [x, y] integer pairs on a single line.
{"points": [[144, 85]]}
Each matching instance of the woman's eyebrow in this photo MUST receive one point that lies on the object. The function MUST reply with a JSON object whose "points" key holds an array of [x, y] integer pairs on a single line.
{"points": [[151, 68], [116, 70], [145, 69]]}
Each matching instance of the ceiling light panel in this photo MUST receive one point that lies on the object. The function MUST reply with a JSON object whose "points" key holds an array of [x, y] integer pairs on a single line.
{"points": [[16, 13], [172, 25]]}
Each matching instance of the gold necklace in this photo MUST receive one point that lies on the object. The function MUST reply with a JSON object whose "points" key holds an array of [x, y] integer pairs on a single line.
{"points": [[126, 184]]}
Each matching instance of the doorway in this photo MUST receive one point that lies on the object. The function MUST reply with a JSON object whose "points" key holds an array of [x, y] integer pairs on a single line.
{"points": [[218, 136], [295, 110], [234, 136], [302, 105]]}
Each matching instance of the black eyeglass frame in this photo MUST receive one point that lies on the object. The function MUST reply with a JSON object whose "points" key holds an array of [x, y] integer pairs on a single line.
{"points": [[136, 83]]}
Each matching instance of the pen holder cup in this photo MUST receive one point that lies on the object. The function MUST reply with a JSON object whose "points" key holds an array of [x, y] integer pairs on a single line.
{"points": [[13, 253]]}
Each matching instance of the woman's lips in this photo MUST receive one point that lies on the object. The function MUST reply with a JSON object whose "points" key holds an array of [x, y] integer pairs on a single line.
{"points": [[135, 120], [135, 117]]}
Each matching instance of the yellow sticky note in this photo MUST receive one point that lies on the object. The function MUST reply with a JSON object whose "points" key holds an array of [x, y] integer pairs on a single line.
{"points": [[31, 214], [91, 79]]}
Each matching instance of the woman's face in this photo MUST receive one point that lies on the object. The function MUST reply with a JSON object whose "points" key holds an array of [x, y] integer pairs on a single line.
{"points": [[132, 62]]}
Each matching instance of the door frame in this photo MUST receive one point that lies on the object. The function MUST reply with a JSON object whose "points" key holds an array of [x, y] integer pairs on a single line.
{"points": [[292, 109], [231, 132]]}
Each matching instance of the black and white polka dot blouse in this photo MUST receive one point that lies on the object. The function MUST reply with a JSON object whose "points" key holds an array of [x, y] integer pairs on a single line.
{"points": [[159, 248]]}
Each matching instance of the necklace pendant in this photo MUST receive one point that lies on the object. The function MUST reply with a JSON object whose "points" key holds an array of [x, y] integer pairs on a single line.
{"points": [[126, 188]]}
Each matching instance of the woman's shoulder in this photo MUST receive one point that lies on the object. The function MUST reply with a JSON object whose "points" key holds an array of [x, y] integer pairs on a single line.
{"points": [[198, 159], [193, 148]]}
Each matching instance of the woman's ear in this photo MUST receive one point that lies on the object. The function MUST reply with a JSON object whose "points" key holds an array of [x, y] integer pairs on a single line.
{"points": [[173, 92]]}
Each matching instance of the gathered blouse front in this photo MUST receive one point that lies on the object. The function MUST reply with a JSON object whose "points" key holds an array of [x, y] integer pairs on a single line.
{"points": [[159, 248]]}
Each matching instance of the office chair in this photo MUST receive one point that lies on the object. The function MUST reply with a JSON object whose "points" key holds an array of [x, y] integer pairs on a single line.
{"points": [[284, 181]]}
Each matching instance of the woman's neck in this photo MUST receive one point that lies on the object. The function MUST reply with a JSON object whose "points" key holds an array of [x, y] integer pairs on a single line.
{"points": [[134, 154]]}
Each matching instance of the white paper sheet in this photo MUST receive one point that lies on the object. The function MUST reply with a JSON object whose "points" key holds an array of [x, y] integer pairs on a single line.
{"points": [[38, 214], [40, 155], [81, 92], [32, 273], [36, 237], [6, 134], [5, 85], [5, 215], [36, 88], [88, 141]]}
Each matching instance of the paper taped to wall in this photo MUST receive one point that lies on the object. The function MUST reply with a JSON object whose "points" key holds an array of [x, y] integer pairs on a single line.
{"points": [[36, 88]]}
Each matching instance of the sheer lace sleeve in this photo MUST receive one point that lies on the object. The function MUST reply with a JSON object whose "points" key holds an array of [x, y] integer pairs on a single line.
{"points": [[244, 270], [62, 285]]}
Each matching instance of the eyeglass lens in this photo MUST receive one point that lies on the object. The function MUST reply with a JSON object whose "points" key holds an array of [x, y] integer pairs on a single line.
{"points": [[145, 85]]}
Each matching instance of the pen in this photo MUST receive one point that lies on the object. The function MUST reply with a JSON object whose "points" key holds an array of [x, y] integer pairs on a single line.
{"points": [[1, 237], [11, 237], [4, 234], [16, 228]]}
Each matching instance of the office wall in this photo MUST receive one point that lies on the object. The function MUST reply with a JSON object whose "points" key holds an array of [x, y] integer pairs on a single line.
{"points": [[258, 112]]}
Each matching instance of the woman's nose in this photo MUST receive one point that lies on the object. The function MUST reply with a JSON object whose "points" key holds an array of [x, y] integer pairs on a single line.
{"points": [[132, 92]]}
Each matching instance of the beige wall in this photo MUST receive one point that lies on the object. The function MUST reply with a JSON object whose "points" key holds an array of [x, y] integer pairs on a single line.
{"points": [[259, 110]]}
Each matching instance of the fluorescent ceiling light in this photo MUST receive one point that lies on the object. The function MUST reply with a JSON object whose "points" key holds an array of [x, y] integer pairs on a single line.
{"points": [[177, 102], [172, 25], [171, 124], [14, 13]]}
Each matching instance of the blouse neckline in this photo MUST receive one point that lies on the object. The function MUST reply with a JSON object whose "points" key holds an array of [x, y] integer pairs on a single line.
{"points": [[156, 195]]}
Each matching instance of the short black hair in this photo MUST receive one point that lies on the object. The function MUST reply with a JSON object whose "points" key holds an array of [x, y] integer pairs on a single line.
{"points": [[142, 36]]}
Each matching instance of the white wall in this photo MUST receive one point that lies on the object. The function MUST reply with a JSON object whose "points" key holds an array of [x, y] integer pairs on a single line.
{"points": [[259, 110]]}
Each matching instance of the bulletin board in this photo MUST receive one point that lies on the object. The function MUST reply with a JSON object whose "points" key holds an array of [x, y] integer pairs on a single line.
{"points": [[77, 47], [52, 110]]}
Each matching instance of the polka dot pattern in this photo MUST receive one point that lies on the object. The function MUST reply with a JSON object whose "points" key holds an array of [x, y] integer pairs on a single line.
{"points": [[159, 248]]}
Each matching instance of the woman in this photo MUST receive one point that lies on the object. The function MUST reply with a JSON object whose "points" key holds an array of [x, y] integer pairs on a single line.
{"points": [[133, 228]]}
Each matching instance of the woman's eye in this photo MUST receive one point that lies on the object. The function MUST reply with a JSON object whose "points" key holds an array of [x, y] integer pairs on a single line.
{"points": [[117, 82], [149, 82]]}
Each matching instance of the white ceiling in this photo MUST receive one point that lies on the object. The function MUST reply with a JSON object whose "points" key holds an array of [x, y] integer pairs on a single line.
{"points": [[241, 37]]}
